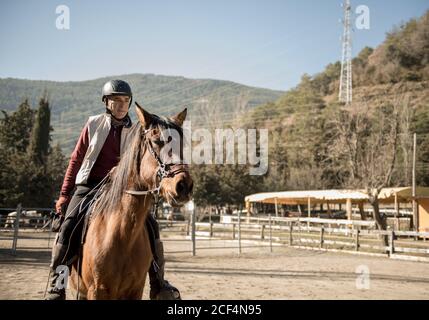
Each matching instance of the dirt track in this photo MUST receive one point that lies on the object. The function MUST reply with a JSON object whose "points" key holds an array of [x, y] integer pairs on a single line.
{"points": [[286, 273]]}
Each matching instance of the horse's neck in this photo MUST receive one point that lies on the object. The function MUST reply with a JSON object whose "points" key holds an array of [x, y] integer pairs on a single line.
{"points": [[130, 219]]}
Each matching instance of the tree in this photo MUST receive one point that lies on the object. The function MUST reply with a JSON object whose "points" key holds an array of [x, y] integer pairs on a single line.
{"points": [[365, 147], [57, 165], [277, 176], [206, 185], [31, 172], [40, 136], [15, 129]]}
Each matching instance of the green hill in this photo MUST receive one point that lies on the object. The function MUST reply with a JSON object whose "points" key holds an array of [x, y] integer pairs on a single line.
{"points": [[73, 102]]}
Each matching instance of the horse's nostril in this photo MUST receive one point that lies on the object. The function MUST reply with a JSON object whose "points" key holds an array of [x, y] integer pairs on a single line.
{"points": [[181, 187]]}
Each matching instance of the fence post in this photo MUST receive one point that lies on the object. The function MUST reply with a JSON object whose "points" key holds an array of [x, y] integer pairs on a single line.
{"points": [[309, 213], [233, 231], [271, 237], [391, 247], [193, 232], [322, 231], [262, 231], [211, 229], [16, 228], [239, 232], [357, 240], [290, 233]]}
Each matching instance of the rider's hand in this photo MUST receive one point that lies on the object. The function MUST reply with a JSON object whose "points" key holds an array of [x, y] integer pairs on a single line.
{"points": [[60, 204]]}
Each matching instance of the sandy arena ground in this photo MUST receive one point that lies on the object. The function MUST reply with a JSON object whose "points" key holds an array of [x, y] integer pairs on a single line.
{"points": [[287, 273]]}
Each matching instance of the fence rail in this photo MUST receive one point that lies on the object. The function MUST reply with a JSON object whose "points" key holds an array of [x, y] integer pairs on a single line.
{"points": [[310, 233], [239, 232], [19, 219]]}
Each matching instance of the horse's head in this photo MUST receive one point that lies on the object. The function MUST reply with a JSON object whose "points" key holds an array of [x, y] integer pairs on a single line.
{"points": [[161, 160]]}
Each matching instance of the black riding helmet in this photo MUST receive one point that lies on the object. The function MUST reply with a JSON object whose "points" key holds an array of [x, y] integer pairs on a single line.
{"points": [[116, 88]]}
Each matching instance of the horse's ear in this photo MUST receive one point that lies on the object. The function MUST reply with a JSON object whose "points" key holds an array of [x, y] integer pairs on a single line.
{"points": [[180, 117], [144, 117]]}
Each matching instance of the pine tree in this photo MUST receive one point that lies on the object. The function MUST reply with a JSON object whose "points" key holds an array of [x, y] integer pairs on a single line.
{"points": [[40, 136]]}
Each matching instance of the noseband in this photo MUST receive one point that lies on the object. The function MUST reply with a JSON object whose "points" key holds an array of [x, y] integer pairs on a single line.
{"points": [[165, 170]]}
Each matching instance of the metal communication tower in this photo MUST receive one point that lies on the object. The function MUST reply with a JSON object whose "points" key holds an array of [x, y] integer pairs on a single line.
{"points": [[345, 94]]}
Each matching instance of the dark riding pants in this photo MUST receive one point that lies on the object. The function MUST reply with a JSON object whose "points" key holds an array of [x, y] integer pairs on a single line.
{"points": [[70, 233]]}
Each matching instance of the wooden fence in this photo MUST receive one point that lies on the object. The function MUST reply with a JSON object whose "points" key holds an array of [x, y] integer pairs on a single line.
{"points": [[12, 226], [351, 236]]}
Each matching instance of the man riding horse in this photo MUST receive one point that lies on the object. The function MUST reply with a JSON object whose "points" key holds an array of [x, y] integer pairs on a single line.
{"points": [[98, 150]]}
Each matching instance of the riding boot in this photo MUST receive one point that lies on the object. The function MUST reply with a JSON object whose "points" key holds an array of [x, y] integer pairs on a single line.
{"points": [[160, 289], [57, 276]]}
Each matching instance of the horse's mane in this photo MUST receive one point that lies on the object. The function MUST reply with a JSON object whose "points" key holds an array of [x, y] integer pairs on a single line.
{"points": [[128, 168]]}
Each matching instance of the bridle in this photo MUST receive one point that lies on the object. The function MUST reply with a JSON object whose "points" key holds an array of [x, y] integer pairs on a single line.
{"points": [[165, 170]]}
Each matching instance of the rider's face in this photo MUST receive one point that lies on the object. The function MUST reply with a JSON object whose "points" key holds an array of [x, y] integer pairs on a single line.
{"points": [[118, 105]]}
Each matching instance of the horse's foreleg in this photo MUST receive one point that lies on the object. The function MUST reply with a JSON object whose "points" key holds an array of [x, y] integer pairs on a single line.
{"points": [[137, 293], [74, 283], [91, 295], [99, 292]]}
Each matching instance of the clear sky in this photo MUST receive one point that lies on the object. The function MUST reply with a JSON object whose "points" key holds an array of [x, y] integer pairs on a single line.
{"points": [[264, 43]]}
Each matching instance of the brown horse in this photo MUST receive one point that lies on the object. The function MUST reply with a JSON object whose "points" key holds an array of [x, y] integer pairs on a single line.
{"points": [[116, 255]]}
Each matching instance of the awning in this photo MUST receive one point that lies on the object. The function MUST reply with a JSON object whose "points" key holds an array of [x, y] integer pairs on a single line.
{"points": [[387, 195]]}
